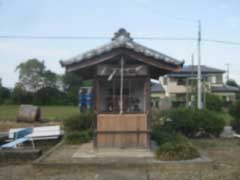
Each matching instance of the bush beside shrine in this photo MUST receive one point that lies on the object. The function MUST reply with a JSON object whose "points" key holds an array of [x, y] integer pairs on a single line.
{"points": [[78, 137], [171, 129], [78, 128], [173, 146], [193, 122]]}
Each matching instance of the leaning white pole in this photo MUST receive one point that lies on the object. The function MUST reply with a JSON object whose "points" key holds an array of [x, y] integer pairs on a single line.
{"points": [[199, 76], [121, 86]]}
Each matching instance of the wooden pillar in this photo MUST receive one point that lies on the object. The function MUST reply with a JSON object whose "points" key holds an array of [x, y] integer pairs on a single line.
{"points": [[147, 94], [96, 108]]}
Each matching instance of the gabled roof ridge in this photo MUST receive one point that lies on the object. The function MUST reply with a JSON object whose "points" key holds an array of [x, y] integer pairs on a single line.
{"points": [[121, 39], [205, 68]]}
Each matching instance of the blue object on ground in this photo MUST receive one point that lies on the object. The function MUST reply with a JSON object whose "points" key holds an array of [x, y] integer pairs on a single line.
{"points": [[19, 138], [14, 143]]}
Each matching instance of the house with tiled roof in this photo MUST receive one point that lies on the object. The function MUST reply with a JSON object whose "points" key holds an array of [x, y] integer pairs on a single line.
{"points": [[181, 86]]}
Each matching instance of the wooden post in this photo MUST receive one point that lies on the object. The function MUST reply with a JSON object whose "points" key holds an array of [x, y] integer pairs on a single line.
{"points": [[96, 108], [121, 86]]}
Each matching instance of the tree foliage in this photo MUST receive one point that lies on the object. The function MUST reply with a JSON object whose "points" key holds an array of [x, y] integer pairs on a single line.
{"points": [[71, 85], [49, 96], [49, 79], [20, 95], [4, 94], [31, 74], [232, 82], [34, 76], [214, 102], [38, 85]]}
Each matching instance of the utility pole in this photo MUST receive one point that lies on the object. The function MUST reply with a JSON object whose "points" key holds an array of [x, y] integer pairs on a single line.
{"points": [[228, 71], [192, 74], [199, 75], [192, 98]]}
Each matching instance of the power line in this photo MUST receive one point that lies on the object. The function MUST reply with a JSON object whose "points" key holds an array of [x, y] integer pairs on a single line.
{"points": [[155, 38], [92, 37], [51, 37], [222, 42], [167, 38]]}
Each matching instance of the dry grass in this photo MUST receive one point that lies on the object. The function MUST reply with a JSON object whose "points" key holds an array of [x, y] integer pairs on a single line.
{"points": [[225, 153]]}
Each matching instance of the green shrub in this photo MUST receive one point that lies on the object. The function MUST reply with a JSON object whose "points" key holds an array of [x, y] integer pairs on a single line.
{"points": [[211, 124], [176, 151], [214, 102], [82, 121], [183, 120], [162, 136], [173, 146], [78, 137], [235, 112], [159, 117], [193, 122]]}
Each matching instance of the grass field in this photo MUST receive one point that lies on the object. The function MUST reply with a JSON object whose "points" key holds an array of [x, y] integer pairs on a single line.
{"points": [[50, 113]]}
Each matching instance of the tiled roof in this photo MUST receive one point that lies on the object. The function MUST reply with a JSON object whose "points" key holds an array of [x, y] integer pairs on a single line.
{"points": [[224, 88], [121, 39], [204, 69], [156, 88], [186, 71]]}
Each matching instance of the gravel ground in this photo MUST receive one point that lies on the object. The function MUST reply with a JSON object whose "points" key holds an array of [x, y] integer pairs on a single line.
{"points": [[225, 153]]}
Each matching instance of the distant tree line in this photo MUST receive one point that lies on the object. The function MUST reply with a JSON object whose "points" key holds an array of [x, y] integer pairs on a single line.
{"points": [[39, 85]]}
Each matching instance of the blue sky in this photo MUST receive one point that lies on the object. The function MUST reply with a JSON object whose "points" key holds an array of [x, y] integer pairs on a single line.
{"points": [[164, 18]]}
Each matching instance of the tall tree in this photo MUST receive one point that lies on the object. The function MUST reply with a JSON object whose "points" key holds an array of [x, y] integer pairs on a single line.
{"points": [[34, 76], [49, 79], [31, 74]]}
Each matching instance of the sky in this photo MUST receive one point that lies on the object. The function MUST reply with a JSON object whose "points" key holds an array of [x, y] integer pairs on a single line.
{"points": [[142, 18]]}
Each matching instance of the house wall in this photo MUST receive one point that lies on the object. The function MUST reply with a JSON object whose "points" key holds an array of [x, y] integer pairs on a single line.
{"points": [[173, 87]]}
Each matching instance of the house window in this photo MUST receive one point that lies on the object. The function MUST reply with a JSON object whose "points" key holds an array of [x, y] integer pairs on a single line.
{"points": [[181, 82], [219, 79], [213, 80]]}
